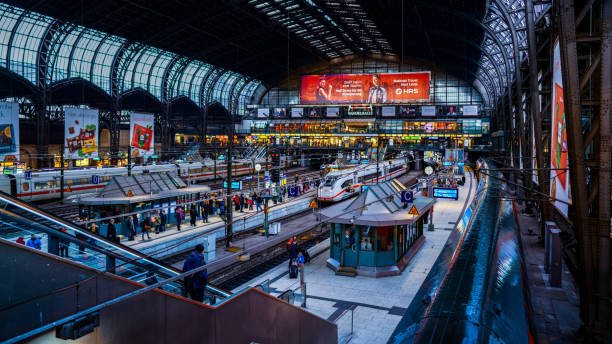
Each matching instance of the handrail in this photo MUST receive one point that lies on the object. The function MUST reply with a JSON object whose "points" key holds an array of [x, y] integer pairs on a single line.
{"points": [[349, 336], [124, 250]]}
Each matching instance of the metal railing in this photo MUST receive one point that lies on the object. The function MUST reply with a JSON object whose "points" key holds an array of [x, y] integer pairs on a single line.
{"points": [[345, 323]]}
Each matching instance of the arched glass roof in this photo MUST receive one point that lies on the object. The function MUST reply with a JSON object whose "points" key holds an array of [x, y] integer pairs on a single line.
{"points": [[502, 18], [31, 43]]}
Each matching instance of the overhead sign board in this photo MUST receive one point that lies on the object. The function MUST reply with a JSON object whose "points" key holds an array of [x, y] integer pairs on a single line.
{"points": [[235, 185], [450, 193], [364, 88]]}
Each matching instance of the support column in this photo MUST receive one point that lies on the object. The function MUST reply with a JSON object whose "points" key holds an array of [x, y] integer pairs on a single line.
{"points": [[535, 109], [571, 96]]}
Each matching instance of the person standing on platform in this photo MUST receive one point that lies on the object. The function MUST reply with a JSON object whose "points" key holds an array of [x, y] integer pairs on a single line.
{"points": [[20, 241], [135, 218], [258, 202], [241, 200], [193, 215], [195, 285], [292, 249], [162, 219], [111, 231], [178, 215], [64, 245], [236, 203], [204, 210], [145, 226], [131, 228]]}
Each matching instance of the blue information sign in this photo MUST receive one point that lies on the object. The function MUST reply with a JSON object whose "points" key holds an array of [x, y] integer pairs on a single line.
{"points": [[407, 196], [235, 185], [28, 175], [95, 179], [446, 193], [293, 191]]}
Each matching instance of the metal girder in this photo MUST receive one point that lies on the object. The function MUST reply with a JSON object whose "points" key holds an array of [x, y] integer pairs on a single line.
{"points": [[212, 70], [213, 83], [571, 96], [10, 41], [519, 85], [536, 114]]}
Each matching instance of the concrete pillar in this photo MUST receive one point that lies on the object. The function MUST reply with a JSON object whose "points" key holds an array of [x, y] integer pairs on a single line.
{"points": [[418, 156], [556, 258]]}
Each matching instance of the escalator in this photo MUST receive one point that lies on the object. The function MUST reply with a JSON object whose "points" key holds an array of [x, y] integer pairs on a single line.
{"points": [[73, 242]]}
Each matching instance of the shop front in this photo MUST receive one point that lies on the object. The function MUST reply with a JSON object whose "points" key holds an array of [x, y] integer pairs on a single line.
{"points": [[376, 235]]}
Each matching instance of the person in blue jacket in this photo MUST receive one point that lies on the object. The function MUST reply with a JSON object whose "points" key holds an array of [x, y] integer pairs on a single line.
{"points": [[195, 285], [34, 242]]}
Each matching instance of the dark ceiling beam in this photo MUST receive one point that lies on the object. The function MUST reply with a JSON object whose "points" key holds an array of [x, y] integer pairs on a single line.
{"points": [[276, 28], [334, 30], [349, 32]]}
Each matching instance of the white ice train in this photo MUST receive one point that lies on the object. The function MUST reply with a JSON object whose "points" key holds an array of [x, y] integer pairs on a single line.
{"points": [[45, 185], [339, 185]]}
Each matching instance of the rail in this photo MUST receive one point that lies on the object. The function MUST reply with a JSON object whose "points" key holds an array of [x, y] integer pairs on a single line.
{"points": [[345, 322]]}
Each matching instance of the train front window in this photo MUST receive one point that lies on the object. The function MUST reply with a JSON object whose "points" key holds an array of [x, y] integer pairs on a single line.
{"points": [[329, 181]]}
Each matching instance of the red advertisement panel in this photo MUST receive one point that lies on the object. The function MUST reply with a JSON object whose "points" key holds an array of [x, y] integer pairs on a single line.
{"points": [[364, 88]]}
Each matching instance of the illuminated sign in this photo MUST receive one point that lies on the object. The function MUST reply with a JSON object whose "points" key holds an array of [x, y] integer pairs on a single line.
{"points": [[235, 185], [360, 110], [364, 88], [446, 193]]}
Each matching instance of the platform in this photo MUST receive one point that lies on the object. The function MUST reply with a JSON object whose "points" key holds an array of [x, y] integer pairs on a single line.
{"points": [[172, 241], [380, 302]]}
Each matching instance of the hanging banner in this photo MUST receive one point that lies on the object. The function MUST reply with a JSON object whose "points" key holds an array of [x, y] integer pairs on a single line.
{"points": [[364, 88], [141, 135], [388, 111], [428, 111], [559, 173], [81, 133], [9, 132], [263, 113]]}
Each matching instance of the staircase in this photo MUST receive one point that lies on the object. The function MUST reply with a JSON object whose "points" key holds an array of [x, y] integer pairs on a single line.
{"points": [[346, 271]]}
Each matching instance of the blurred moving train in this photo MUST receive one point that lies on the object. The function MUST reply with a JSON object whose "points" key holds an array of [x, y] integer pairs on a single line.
{"points": [[342, 184], [476, 291], [45, 185]]}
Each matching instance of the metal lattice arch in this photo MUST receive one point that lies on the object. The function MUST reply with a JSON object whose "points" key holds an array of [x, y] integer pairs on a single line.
{"points": [[47, 53]]}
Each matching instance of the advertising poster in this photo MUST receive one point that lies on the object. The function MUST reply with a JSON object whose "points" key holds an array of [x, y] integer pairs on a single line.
{"points": [[364, 88], [333, 112], [470, 110], [263, 113], [533, 157], [81, 133], [428, 111], [559, 173], [280, 112], [388, 111], [9, 132], [297, 112], [451, 154], [141, 135]]}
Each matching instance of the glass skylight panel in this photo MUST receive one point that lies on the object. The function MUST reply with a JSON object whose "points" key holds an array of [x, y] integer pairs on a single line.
{"points": [[62, 58], [103, 61], [25, 43], [10, 17]]}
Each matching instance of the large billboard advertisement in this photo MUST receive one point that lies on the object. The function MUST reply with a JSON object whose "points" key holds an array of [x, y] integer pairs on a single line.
{"points": [[81, 133], [141, 135], [364, 88], [559, 173], [9, 131]]}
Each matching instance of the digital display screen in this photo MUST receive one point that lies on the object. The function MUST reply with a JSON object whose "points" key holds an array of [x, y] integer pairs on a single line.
{"points": [[364, 88], [446, 193]]}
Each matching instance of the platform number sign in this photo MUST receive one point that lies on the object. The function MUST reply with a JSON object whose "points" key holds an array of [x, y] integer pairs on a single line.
{"points": [[407, 196], [293, 191], [28, 175], [95, 179]]}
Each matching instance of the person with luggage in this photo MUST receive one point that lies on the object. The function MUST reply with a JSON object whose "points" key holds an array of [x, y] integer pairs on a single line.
{"points": [[195, 285], [292, 249], [34, 242], [146, 227], [204, 210]]}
